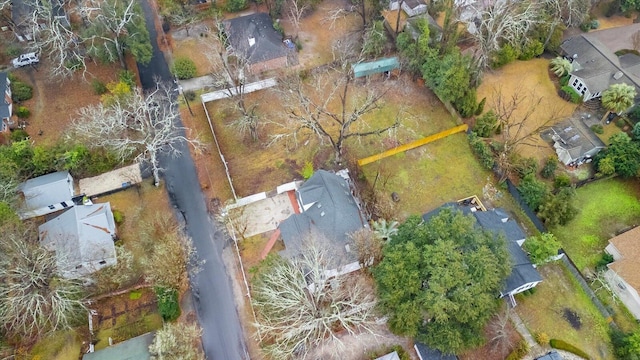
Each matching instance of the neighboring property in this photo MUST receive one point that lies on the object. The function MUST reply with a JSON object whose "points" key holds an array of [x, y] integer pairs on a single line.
{"points": [[390, 356], [253, 38], [624, 272], [523, 275], [410, 7], [327, 207], [426, 353], [6, 104], [82, 239], [412, 12], [551, 355], [573, 141], [595, 63], [46, 194], [132, 349], [22, 16]]}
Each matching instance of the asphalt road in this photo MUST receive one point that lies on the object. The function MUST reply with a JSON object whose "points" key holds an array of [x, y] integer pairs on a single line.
{"points": [[211, 288]]}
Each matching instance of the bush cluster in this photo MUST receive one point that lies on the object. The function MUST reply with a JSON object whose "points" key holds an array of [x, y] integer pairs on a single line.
{"points": [[20, 91], [562, 345], [521, 350], [184, 68], [569, 93], [168, 305], [481, 150]]}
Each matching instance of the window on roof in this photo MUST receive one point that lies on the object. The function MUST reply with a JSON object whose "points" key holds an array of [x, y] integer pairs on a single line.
{"points": [[52, 207], [102, 262]]}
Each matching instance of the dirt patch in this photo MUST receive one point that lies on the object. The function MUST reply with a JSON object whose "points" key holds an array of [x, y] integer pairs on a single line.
{"points": [[572, 317]]}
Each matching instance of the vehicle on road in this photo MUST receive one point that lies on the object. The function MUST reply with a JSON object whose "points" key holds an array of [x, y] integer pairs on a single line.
{"points": [[25, 59]]}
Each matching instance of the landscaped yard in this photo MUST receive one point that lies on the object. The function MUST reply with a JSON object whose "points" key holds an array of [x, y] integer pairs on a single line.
{"points": [[562, 310], [605, 208]]}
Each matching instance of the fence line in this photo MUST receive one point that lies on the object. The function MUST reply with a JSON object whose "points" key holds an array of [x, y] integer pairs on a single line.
{"points": [[215, 139], [523, 205]]}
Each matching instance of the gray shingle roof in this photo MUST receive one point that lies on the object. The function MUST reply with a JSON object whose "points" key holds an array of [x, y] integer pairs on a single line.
{"points": [[132, 349], [427, 353], [575, 138], [331, 210], [47, 189], [522, 271], [82, 235], [267, 42], [4, 104]]}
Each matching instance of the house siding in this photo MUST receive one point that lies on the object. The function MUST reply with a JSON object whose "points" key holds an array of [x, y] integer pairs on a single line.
{"points": [[613, 251], [626, 293]]}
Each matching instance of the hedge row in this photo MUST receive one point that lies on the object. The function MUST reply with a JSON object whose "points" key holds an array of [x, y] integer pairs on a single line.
{"points": [[562, 345]]}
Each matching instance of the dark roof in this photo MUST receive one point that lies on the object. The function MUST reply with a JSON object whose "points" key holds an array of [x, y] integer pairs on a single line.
{"points": [[132, 349], [328, 208], [574, 137], [498, 222], [254, 38], [552, 355], [412, 4], [596, 64], [4, 104], [427, 353]]}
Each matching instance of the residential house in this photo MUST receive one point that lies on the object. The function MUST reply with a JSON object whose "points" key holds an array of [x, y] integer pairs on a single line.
{"points": [[523, 274], [6, 104], [22, 17], [254, 39], [426, 353], [389, 356], [132, 349], [551, 355], [573, 141], [410, 7], [327, 207], [595, 63], [412, 12], [46, 194], [82, 239], [623, 274]]}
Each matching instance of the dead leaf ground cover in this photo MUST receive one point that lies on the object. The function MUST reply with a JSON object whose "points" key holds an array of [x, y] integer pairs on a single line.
{"points": [[544, 312]]}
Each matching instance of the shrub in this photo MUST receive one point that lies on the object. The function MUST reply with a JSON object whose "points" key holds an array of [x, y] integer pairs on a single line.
{"points": [[521, 350], [18, 135], [21, 91], [482, 150], [127, 77], [558, 209], [620, 122], [562, 345], [525, 166], [565, 80], [486, 124], [597, 128], [307, 170], [562, 180], [184, 68], [634, 113], [571, 94], [532, 49], [467, 104], [135, 295], [504, 56], [541, 338], [118, 216], [533, 191], [22, 112], [480, 107], [604, 260], [98, 87], [606, 166], [12, 50], [190, 95], [235, 5], [168, 305], [549, 168]]}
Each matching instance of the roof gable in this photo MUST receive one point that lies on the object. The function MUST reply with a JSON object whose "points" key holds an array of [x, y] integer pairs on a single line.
{"points": [[573, 136], [47, 189], [628, 245], [254, 38]]}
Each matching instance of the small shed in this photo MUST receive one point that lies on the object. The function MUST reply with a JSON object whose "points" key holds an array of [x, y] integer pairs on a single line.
{"points": [[375, 67]]}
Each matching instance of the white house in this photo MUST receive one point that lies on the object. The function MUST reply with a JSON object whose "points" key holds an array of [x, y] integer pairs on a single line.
{"points": [[624, 272], [46, 194], [82, 239]]}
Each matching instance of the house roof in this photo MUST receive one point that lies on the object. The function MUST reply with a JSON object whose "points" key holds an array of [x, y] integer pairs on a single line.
{"points": [[551, 355], [47, 189], [427, 353], [412, 4], [573, 138], [596, 63], [132, 349], [375, 67], [4, 104], [328, 208], [254, 38], [498, 221], [82, 234], [389, 356], [628, 245]]}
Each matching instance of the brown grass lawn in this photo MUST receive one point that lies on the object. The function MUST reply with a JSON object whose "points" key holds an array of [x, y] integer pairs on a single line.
{"points": [[195, 48], [531, 80], [558, 295], [609, 22], [61, 345]]}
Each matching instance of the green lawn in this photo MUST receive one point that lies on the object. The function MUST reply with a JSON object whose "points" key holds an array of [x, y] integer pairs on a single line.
{"points": [[606, 207], [60, 345], [557, 295], [126, 328]]}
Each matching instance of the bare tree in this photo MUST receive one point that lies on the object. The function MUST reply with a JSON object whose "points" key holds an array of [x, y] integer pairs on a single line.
{"points": [[183, 16], [136, 125], [299, 307], [177, 341], [499, 331], [368, 245], [505, 22], [311, 107], [599, 282], [297, 9], [34, 298], [124, 273]]}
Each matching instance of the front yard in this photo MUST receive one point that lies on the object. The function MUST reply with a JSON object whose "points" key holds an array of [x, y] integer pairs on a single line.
{"points": [[562, 310]]}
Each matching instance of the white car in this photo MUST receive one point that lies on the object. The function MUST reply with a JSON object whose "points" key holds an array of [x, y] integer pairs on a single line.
{"points": [[25, 59]]}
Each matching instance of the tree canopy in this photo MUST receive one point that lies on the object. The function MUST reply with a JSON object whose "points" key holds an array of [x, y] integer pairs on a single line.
{"points": [[623, 153], [542, 247], [439, 280], [618, 97]]}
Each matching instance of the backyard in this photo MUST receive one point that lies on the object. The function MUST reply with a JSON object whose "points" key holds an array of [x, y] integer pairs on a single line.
{"points": [[562, 310], [606, 207]]}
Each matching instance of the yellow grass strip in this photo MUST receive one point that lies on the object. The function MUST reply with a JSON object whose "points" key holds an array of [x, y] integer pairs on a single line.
{"points": [[412, 145]]}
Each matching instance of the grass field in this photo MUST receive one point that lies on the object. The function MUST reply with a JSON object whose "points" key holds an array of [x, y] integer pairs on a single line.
{"points": [[605, 207], [61, 345], [556, 300]]}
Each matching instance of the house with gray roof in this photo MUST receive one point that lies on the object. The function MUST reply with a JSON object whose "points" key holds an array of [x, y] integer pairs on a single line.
{"points": [[573, 141], [524, 275], [426, 353], [46, 194], [254, 39], [390, 356], [6, 104], [132, 349], [595, 64], [551, 355], [82, 238], [328, 207]]}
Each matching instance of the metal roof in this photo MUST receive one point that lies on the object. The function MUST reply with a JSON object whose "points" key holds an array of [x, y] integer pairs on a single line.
{"points": [[375, 67]]}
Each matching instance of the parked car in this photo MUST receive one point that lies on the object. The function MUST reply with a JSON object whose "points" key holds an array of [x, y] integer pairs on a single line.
{"points": [[25, 59]]}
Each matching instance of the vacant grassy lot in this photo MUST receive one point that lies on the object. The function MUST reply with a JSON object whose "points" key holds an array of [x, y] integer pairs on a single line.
{"points": [[606, 207], [562, 310]]}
